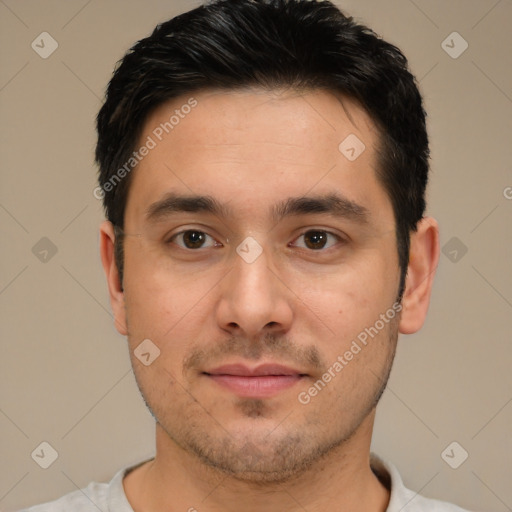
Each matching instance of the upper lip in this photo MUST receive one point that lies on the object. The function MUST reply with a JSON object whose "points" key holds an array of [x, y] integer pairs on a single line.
{"points": [[258, 371]]}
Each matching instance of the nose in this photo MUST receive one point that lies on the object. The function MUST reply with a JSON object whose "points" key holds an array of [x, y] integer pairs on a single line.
{"points": [[254, 299]]}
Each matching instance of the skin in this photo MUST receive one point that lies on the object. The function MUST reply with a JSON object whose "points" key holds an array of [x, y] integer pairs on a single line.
{"points": [[294, 305]]}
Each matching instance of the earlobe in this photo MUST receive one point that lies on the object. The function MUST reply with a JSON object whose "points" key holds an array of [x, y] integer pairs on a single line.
{"points": [[423, 261], [107, 239]]}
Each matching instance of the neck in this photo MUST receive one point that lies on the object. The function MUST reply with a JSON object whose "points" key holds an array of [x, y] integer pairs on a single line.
{"points": [[176, 480]]}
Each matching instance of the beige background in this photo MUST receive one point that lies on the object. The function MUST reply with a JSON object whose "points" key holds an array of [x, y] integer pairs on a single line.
{"points": [[64, 370]]}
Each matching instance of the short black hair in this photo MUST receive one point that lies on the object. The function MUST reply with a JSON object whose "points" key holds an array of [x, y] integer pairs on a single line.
{"points": [[271, 44]]}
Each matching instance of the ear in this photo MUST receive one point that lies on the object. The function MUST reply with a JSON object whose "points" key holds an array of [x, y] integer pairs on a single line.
{"points": [[107, 239], [423, 260]]}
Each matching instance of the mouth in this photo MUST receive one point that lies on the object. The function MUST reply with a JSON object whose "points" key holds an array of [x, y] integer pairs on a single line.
{"points": [[262, 381]]}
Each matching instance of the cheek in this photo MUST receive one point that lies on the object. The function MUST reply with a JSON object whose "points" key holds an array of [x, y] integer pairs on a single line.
{"points": [[347, 302], [164, 306], [151, 299]]}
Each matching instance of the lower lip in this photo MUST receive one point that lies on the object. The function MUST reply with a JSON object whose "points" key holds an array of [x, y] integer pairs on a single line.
{"points": [[257, 386]]}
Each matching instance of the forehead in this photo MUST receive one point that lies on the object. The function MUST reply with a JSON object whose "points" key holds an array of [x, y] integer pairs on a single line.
{"points": [[304, 120], [252, 145]]}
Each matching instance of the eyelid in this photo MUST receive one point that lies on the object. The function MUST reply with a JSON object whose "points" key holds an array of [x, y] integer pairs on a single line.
{"points": [[340, 238], [170, 238]]}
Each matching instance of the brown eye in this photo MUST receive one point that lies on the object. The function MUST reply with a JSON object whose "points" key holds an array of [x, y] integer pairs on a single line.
{"points": [[192, 239], [316, 239]]}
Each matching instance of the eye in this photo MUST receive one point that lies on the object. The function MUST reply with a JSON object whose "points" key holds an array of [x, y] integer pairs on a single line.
{"points": [[317, 239], [193, 239]]}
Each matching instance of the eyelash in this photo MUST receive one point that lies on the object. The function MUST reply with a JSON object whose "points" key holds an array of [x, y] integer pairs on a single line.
{"points": [[310, 230]]}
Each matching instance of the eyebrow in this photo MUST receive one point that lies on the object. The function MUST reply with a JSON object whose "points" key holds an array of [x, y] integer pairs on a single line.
{"points": [[331, 204]]}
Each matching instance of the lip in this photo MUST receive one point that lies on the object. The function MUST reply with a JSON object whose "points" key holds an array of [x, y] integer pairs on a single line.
{"points": [[262, 381]]}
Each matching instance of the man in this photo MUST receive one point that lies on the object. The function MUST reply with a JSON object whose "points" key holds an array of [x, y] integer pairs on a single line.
{"points": [[263, 166]]}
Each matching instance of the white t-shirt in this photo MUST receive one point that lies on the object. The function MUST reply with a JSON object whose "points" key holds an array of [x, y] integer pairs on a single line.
{"points": [[112, 498]]}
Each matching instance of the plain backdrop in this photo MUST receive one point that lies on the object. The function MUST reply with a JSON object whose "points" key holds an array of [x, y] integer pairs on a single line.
{"points": [[64, 370]]}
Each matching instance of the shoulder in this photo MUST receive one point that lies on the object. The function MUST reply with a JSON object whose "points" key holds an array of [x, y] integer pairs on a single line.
{"points": [[91, 498], [403, 499], [417, 503], [96, 496]]}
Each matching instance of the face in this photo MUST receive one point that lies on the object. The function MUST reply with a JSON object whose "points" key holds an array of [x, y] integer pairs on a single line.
{"points": [[270, 292]]}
